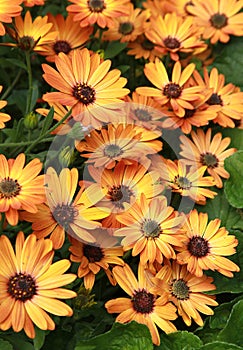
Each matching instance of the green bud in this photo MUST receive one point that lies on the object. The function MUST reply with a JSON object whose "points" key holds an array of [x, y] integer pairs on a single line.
{"points": [[66, 156], [31, 121], [84, 298]]}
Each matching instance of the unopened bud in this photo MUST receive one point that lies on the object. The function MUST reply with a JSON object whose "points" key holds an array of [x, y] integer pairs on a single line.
{"points": [[66, 156], [31, 121]]}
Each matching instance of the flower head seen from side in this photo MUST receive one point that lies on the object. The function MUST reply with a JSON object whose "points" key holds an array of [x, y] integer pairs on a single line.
{"points": [[186, 291], [101, 255], [205, 246], [202, 150], [30, 285], [31, 35], [21, 187], [70, 36], [8, 10], [219, 18], [174, 92], [151, 229], [31, 3], [142, 306], [4, 117], [102, 12], [86, 84]]}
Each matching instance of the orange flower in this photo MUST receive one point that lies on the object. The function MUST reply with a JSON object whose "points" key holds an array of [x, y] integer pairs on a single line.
{"points": [[3, 116], [205, 245], [97, 256], [141, 47], [127, 28], [31, 3], [30, 285], [151, 229], [70, 36], [174, 34], [185, 291], [101, 12], [8, 9], [202, 151], [219, 18], [143, 306], [158, 7], [174, 92], [84, 83], [20, 187]]}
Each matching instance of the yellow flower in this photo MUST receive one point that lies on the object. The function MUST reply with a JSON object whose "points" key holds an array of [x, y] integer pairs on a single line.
{"points": [[3, 116], [8, 9]]}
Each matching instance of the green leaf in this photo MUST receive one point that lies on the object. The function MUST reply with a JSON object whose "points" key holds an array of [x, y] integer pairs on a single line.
{"points": [[236, 136], [113, 49], [181, 340], [131, 336], [35, 94], [5, 345], [39, 338], [13, 61], [218, 345], [234, 185], [231, 332], [48, 121]]}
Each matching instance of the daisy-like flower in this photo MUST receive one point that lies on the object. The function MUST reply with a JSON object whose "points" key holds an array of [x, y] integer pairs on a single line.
{"points": [[219, 18], [30, 285], [129, 27], [65, 212], [4, 117], [143, 306], [31, 3], [20, 187], [158, 7], [174, 34], [186, 291], [150, 229], [8, 9], [102, 12], [186, 180], [143, 48], [86, 85], [174, 92], [123, 186], [95, 257], [119, 141], [31, 35], [70, 36], [205, 244], [204, 151], [227, 97]]}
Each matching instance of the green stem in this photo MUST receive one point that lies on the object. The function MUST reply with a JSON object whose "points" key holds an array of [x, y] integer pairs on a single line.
{"points": [[25, 143], [14, 82], [29, 70]]}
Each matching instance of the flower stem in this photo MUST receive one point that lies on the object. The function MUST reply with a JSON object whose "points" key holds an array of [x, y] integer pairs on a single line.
{"points": [[30, 90], [14, 82]]}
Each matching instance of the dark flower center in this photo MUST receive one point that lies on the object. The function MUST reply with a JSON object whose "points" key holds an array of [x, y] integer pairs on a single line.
{"points": [[171, 43], [143, 301], [215, 99], [209, 159], [189, 113], [182, 182], [9, 188], [64, 214], [93, 253], [27, 43], [21, 287], [112, 151], [126, 28], [151, 228], [142, 115], [119, 195], [84, 93], [219, 21], [172, 90], [147, 45], [180, 289], [96, 5], [62, 46], [198, 246]]}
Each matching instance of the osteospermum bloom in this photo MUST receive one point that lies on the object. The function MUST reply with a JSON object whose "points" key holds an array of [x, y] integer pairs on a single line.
{"points": [[97, 256], [174, 92], [31, 35], [205, 246], [141, 47], [227, 97], [20, 186], [219, 18], [30, 285], [150, 229], [86, 84], [143, 306], [174, 34], [158, 7], [186, 291], [4, 117], [8, 9], [204, 151], [31, 3], [127, 28]]}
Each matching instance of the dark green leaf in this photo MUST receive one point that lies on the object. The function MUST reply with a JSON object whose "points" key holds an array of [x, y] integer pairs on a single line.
{"points": [[39, 338], [15, 62], [234, 185], [218, 345], [5, 345], [181, 340], [236, 136], [48, 121], [113, 49]]}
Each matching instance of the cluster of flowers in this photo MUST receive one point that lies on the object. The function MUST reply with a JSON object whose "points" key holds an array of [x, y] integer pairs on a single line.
{"points": [[122, 203]]}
